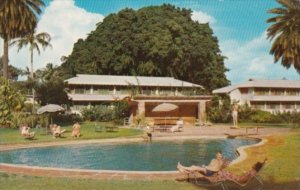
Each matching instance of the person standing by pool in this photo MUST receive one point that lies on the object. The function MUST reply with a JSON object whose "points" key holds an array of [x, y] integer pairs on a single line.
{"points": [[148, 133], [214, 166], [234, 114]]}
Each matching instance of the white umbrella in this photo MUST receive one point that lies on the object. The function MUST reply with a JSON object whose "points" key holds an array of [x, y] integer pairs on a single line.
{"points": [[50, 108], [165, 107]]}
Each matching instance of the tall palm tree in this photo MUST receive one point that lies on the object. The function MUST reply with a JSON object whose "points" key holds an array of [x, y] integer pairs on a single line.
{"points": [[17, 18], [33, 41], [286, 31]]}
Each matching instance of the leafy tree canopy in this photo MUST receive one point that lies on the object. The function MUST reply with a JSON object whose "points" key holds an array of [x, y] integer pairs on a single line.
{"points": [[152, 41]]}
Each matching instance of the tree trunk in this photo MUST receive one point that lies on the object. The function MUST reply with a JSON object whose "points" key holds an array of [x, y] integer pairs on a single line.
{"points": [[32, 78], [5, 58]]}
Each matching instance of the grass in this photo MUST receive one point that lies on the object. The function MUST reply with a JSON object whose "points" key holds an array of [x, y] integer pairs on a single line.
{"points": [[9, 136], [282, 172], [17, 182], [278, 125]]}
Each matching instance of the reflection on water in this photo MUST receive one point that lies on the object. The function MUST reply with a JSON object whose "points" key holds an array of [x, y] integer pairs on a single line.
{"points": [[157, 156]]}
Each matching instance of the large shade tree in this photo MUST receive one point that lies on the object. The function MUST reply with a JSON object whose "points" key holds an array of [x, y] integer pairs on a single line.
{"points": [[34, 41], [285, 31], [152, 41], [17, 19]]}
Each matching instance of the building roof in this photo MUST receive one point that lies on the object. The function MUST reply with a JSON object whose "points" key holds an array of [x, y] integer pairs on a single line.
{"points": [[259, 83], [129, 80]]}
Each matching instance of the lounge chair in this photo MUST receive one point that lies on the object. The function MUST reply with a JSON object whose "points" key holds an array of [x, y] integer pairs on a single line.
{"points": [[29, 136], [56, 131], [178, 127], [25, 132], [252, 179]]}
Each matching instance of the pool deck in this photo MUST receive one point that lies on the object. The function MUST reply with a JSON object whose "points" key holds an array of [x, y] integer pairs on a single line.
{"points": [[220, 131]]}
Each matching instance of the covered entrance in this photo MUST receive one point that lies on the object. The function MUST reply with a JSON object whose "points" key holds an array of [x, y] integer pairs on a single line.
{"points": [[190, 109]]}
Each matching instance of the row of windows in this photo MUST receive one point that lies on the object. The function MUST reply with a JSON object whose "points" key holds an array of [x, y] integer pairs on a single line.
{"points": [[272, 92], [276, 106]]}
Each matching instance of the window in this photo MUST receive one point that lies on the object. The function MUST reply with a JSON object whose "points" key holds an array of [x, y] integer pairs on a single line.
{"points": [[244, 90], [79, 90], [288, 105], [261, 91], [292, 92], [273, 106], [258, 105], [277, 92]]}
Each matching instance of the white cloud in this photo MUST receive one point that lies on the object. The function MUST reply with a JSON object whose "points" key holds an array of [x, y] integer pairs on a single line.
{"points": [[252, 60], [66, 23], [202, 17]]}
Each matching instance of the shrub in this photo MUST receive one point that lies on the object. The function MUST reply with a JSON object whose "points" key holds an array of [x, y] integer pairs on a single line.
{"points": [[219, 109], [261, 117], [115, 112], [66, 118]]}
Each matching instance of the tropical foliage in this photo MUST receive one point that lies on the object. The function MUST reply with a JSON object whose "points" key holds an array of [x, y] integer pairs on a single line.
{"points": [[285, 31], [115, 112], [49, 86], [12, 72], [33, 41], [10, 101], [152, 41], [17, 19], [219, 109]]}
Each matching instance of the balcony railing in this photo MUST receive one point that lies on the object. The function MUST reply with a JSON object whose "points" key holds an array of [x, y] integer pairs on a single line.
{"points": [[143, 92]]}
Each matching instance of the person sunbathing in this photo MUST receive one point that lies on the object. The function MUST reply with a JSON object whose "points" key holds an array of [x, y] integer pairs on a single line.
{"points": [[76, 130], [57, 132], [25, 131], [214, 166]]}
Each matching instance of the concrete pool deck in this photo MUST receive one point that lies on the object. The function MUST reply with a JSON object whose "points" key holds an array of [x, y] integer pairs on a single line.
{"points": [[188, 133]]}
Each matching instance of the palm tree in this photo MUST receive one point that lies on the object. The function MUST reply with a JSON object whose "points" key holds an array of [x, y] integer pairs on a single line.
{"points": [[33, 40], [17, 18], [286, 31]]}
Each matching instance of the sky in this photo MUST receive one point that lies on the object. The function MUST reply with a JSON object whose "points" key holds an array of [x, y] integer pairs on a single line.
{"points": [[239, 25]]}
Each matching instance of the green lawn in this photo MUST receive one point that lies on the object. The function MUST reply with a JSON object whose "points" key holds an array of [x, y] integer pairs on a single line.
{"points": [[282, 172], [279, 125], [8, 136], [17, 182]]}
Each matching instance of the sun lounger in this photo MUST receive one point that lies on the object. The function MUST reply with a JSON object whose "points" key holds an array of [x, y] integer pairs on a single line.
{"points": [[58, 133], [29, 136], [25, 132], [219, 179]]}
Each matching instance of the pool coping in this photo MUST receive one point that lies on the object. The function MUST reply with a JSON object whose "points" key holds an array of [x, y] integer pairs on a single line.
{"points": [[107, 174]]}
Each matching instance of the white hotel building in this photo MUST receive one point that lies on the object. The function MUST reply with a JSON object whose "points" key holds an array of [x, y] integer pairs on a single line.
{"points": [[86, 90], [269, 95]]}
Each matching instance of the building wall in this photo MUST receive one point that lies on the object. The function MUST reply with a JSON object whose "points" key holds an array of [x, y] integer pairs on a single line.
{"points": [[246, 96]]}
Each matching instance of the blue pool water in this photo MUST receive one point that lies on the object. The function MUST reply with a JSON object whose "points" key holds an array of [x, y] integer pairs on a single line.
{"points": [[156, 156]]}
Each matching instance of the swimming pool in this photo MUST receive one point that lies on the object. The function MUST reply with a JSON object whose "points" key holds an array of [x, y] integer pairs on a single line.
{"points": [[156, 156]]}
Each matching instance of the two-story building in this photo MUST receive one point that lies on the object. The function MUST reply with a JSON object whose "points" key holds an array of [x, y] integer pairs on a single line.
{"points": [[269, 95], [145, 93]]}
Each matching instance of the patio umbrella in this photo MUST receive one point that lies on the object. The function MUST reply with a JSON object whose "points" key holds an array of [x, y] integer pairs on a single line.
{"points": [[50, 108], [165, 107]]}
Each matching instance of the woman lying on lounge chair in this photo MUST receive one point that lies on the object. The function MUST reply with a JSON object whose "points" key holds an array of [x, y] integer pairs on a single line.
{"points": [[56, 131], [25, 132]]}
